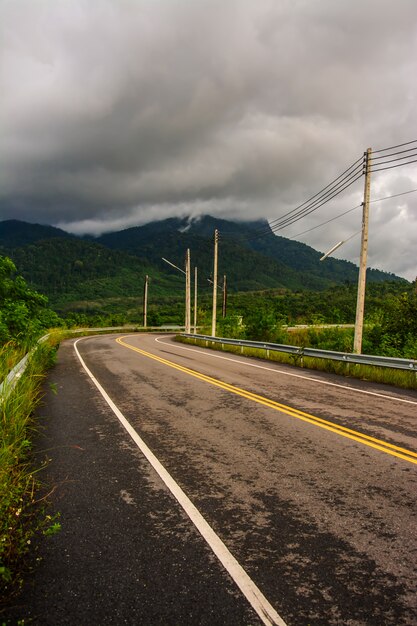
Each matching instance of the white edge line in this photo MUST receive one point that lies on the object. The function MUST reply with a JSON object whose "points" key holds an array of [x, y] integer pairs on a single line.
{"points": [[271, 369], [252, 593]]}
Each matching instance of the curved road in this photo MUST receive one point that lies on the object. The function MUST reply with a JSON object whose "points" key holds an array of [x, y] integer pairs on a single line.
{"points": [[309, 480]]}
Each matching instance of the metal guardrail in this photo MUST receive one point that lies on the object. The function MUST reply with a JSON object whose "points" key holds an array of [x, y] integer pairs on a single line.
{"points": [[347, 357], [9, 383], [12, 378]]}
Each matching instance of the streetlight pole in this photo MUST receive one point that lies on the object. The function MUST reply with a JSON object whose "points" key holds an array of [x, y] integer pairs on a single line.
{"points": [[360, 303], [187, 273], [216, 247]]}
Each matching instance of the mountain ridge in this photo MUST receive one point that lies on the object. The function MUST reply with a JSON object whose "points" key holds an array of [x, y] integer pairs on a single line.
{"points": [[68, 267]]}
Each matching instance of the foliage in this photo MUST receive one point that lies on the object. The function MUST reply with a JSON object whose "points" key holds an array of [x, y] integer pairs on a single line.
{"points": [[399, 378], [24, 313], [24, 316], [22, 516], [397, 331], [71, 270], [390, 328]]}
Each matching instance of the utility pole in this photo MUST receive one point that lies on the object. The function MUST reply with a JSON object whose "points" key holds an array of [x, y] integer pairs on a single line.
{"points": [[187, 292], [216, 247], [145, 301], [195, 300], [360, 304], [224, 296]]}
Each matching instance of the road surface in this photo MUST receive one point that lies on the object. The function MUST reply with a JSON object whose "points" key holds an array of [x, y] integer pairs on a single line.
{"points": [[306, 481]]}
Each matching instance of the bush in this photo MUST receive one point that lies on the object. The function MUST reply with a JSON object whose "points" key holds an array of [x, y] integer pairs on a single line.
{"points": [[24, 313]]}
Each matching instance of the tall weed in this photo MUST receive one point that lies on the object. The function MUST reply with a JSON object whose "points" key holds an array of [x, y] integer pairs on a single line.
{"points": [[22, 516]]}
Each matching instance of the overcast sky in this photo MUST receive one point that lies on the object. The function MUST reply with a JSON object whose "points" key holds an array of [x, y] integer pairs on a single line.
{"points": [[114, 113]]}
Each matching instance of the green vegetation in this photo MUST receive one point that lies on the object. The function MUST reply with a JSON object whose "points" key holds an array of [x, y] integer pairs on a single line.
{"points": [[24, 316], [22, 514], [391, 318], [273, 316], [105, 275], [399, 378], [24, 313]]}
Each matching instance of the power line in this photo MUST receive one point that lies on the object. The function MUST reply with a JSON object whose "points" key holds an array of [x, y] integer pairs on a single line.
{"points": [[295, 218], [390, 167], [407, 143], [319, 193], [327, 221], [384, 156], [396, 195], [408, 156], [337, 186], [322, 197]]}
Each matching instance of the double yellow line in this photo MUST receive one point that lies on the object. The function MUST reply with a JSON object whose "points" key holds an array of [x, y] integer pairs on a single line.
{"points": [[372, 442]]}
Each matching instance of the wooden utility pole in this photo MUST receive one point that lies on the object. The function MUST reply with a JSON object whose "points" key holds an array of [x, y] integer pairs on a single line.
{"points": [[195, 300], [187, 292], [216, 248], [224, 296], [360, 304], [145, 301]]}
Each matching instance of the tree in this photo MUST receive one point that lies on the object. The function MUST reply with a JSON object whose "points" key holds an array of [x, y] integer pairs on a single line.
{"points": [[24, 313]]}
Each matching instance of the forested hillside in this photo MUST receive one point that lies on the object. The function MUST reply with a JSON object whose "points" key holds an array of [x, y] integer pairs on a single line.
{"points": [[24, 313], [106, 274]]}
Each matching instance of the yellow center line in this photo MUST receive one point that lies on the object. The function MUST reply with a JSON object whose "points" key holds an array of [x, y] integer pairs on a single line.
{"points": [[367, 440]]}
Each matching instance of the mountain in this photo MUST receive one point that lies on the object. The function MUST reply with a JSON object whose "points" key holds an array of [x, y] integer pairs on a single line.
{"points": [[77, 273], [249, 260], [14, 234], [80, 273], [245, 268]]}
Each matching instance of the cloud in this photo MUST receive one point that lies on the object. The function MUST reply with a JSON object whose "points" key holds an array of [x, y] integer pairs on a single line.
{"points": [[118, 112]]}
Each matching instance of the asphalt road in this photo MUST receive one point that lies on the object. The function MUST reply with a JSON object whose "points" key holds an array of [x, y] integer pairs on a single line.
{"points": [[305, 478]]}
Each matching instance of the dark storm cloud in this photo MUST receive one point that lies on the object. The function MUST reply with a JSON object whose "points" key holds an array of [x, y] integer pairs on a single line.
{"points": [[119, 112]]}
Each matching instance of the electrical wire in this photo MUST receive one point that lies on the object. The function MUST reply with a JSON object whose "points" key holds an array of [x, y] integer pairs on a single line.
{"points": [[308, 207], [396, 195], [332, 219], [360, 161], [407, 143], [385, 156], [391, 166], [337, 186], [296, 218], [300, 212], [320, 201], [408, 156], [320, 193]]}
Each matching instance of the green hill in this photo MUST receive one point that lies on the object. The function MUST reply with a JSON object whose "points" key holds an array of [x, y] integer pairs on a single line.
{"points": [[107, 272], [249, 261], [14, 234]]}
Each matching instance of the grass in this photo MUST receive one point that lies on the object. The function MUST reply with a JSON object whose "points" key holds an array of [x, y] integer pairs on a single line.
{"points": [[390, 376], [22, 513]]}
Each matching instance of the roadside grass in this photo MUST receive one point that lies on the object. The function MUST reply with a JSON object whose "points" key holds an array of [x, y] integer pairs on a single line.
{"points": [[10, 355], [389, 376], [23, 513]]}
